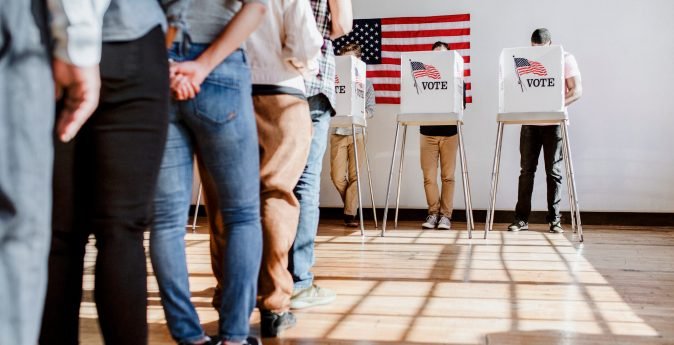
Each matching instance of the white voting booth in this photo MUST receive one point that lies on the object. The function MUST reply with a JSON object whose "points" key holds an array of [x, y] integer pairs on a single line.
{"points": [[350, 96], [431, 93], [531, 92]]}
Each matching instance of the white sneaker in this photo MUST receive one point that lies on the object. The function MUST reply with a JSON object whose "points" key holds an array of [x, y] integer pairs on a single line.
{"points": [[444, 224], [311, 297], [431, 222]]}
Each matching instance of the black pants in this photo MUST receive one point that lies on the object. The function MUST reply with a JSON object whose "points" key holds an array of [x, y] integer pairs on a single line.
{"points": [[104, 184], [532, 139]]}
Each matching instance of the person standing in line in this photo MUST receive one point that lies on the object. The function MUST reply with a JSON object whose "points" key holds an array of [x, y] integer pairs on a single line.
{"points": [[26, 139], [439, 143], [105, 178], [342, 160], [211, 116], [282, 50], [548, 138], [334, 18]]}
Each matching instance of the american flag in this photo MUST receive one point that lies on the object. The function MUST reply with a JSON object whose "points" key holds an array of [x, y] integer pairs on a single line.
{"points": [[383, 40], [419, 69], [525, 66], [336, 79]]}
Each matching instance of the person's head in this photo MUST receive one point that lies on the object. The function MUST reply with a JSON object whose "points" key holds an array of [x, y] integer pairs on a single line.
{"points": [[439, 45], [352, 49], [541, 37]]}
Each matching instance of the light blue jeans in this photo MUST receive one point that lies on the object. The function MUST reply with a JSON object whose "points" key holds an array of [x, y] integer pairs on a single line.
{"points": [[219, 127], [307, 191]]}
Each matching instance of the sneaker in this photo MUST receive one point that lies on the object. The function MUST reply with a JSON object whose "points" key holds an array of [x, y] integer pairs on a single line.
{"points": [[272, 324], [518, 225], [431, 222], [206, 340], [556, 227], [351, 221], [444, 224], [311, 297], [248, 341]]}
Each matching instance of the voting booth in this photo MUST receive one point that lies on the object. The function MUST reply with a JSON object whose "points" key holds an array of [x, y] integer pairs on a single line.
{"points": [[431, 93], [350, 95], [531, 92]]}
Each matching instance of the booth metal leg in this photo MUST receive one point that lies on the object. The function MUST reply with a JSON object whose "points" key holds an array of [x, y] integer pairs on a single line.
{"points": [[390, 177], [567, 144], [369, 178], [400, 174], [572, 209], [466, 185], [494, 181], [196, 209], [360, 196]]}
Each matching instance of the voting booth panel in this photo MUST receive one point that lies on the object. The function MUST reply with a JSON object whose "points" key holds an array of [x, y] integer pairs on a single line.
{"points": [[531, 80], [431, 83], [350, 86]]}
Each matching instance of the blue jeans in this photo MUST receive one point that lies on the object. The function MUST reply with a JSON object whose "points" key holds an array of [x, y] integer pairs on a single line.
{"points": [[219, 127], [307, 191]]}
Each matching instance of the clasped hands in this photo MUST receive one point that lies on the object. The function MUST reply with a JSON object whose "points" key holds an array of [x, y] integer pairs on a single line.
{"points": [[186, 79]]}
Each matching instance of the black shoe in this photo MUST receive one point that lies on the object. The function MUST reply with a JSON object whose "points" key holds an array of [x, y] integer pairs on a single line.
{"points": [[205, 341], [556, 227], [518, 225], [272, 324], [351, 221]]}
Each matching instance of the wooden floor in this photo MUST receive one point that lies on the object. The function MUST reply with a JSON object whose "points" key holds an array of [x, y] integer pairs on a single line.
{"points": [[438, 287]]}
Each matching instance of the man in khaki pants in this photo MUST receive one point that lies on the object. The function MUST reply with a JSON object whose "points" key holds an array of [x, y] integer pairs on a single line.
{"points": [[342, 159], [439, 142]]}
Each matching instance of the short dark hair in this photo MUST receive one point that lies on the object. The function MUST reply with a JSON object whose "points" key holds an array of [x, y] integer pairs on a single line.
{"points": [[541, 36], [352, 47], [439, 44]]}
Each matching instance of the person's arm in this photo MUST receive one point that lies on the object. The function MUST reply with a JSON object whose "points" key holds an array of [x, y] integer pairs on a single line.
{"points": [[175, 10], [574, 90], [370, 100], [234, 34], [342, 18], [76, 28], [302, 43]]}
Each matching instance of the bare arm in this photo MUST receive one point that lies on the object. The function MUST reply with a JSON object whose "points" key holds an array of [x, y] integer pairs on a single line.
{"points": [[342, 17], [574, 90]]}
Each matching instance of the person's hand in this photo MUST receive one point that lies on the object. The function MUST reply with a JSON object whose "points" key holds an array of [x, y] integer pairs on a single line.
{"points": [[81, 88], [186, 79]]}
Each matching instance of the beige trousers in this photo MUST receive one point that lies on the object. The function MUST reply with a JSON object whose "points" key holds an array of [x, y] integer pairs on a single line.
{"points": [[284, 134], [443, 148], [343, 169]]}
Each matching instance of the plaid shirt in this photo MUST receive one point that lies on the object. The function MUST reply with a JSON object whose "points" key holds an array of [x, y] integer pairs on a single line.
{"points": [[324, 82]]}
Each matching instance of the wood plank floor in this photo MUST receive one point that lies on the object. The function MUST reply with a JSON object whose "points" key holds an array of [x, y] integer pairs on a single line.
{"points": [[438, 287]]}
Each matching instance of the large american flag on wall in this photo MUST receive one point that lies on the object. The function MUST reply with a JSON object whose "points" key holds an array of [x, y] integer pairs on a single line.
{"points": [[384, 39]]}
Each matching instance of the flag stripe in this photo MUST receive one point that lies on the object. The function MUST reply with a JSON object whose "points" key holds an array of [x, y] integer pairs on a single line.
{"points": [[396, 61], [419, 47], [432, 19], [426, 33]]}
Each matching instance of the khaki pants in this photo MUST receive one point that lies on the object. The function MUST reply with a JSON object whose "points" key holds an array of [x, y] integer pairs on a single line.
{"points": [[444, 148], [284, 134], [343, 169]]}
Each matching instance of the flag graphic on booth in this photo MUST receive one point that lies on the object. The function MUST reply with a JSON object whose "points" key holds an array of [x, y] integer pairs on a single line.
{"points": [[526, 66], [383, 40], [421, 70]]}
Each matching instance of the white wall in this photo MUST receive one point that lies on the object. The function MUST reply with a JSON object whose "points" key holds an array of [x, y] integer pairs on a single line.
{"points": [[620, 129]]}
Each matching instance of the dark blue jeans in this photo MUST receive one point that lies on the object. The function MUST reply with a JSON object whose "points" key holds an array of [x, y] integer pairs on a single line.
{"points": [[532, 140], [307, 191], [219, 127]]}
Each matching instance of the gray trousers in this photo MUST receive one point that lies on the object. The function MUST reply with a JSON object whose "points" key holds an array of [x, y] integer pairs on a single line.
{"points": [[26, 127]]}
